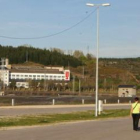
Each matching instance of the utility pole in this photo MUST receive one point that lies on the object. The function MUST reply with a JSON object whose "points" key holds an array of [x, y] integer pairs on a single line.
{"points": [[26, 56], [73, 84], [83, 72], [2, 71], [45, 81], [79, 86], [87, 49], [68, 65]]}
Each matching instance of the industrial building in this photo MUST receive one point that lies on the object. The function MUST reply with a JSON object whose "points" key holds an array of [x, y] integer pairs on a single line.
{"points": [[21, 73]]}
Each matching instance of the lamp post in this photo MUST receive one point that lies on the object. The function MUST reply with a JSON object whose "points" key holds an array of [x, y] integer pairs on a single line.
{"points": [[97, 53]]}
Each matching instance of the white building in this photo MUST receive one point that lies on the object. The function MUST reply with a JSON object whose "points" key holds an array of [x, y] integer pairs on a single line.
{"points": [[126, 90], [4, 76], [22, 84], [21, 73]]}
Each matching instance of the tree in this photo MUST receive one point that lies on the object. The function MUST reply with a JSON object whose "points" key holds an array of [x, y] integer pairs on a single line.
{"points": [[57, 50], [90, 56], [12, 84], [78, 54]]}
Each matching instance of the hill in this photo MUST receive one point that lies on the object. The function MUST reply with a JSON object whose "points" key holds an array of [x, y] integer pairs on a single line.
{"points": [[112, 71], [21, 54]]}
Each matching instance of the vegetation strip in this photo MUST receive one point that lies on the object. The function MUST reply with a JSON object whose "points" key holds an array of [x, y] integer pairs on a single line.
{"points": [[56, 118]]}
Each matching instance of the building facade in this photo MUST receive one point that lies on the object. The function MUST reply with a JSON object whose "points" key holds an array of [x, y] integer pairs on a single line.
{"points": [[126, 90], [21, 73]]}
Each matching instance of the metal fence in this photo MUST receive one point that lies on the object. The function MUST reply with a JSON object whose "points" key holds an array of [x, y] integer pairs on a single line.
{"points": [[52, 100]]}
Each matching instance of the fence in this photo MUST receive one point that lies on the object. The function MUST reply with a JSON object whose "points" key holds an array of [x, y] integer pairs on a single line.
{"points": [[49, 100]]}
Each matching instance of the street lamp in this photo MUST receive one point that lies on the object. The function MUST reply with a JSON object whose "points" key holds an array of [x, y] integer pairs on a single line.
{"points": [[97, 53]]}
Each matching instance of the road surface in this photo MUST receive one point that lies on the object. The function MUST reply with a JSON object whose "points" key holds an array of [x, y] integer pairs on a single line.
{"points": [[109, 129], [51, 109]]}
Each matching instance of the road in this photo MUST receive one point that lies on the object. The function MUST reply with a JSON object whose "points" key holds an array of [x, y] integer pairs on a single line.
{"points": [[51, 109], [109, 129]]}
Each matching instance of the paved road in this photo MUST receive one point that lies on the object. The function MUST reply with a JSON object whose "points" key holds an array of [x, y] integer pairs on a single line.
{"points": [[110, 129], [28, 110]]}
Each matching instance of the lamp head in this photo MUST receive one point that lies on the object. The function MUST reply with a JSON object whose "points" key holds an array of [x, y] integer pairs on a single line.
{"points": [[90, 4], [106, 4]]}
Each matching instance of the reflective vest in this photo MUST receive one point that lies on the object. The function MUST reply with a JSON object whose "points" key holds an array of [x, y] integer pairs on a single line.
{"points": [[136, 108]]}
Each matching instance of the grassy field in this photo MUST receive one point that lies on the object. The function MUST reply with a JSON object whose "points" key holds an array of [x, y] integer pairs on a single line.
{"points": [[56, 118]]}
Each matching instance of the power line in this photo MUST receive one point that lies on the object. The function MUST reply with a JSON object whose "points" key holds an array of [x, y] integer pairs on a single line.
{"points": [[51, 35]]}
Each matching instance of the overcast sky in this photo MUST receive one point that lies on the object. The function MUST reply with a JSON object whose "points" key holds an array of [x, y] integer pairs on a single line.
{"points": [[69, 25]]}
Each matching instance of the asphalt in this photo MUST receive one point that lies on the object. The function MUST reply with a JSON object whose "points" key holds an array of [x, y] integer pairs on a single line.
{"points": [[61, 106], [10, 111], [109, 129]]}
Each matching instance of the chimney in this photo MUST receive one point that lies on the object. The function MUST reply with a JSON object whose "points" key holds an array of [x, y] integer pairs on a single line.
{"points": [[6, 62]]}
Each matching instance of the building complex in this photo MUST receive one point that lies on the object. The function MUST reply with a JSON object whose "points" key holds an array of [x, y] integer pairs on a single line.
{"points": [[21, 73]]}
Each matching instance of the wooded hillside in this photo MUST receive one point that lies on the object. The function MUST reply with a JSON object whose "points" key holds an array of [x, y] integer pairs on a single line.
{"points": [[112, 71], [43, 56]]}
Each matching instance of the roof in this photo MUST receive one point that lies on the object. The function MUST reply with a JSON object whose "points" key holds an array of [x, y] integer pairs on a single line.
{"points": [[34, 69], [126, 86]]}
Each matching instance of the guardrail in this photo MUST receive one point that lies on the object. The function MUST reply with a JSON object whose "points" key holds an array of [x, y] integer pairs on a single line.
{"points": [[43, 100]]}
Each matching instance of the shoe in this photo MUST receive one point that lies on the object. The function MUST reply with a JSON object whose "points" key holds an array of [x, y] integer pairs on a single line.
{"points": [[135, 129]]}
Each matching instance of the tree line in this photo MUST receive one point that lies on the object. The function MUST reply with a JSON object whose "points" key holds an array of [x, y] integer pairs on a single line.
{"points": [[23, 53]]}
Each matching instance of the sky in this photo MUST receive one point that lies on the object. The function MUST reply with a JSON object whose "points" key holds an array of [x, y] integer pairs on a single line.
{"points": [[71, 25]]}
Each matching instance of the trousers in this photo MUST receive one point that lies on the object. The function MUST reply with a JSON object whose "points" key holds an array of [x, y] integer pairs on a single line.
{"points": [[135, 121]]}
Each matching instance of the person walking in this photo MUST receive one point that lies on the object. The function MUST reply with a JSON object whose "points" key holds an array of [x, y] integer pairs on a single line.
{"points": [[135, 113]]}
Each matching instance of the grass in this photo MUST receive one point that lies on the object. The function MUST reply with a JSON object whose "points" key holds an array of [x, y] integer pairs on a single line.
{"points": [[56, 118]]}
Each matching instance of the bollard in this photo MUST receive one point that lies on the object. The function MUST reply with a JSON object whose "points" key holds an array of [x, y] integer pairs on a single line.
{"points": [[118, 101], [13, 102], [53, 102], [105, 101], [83, 101], [100, 107], [130, 101]]}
